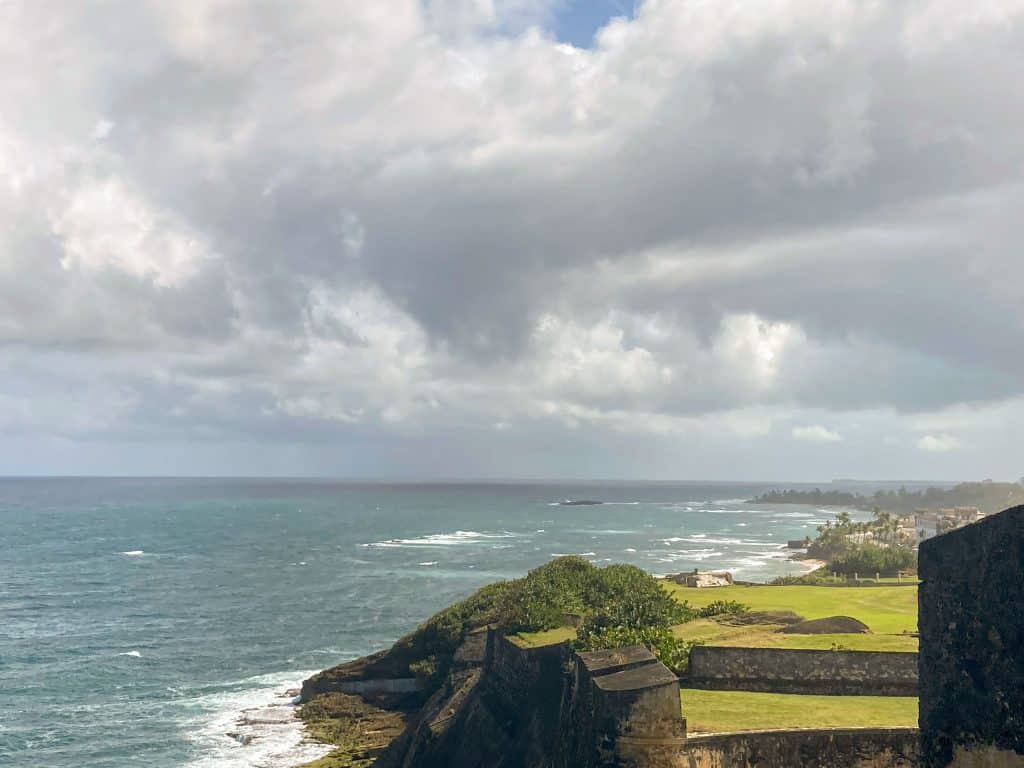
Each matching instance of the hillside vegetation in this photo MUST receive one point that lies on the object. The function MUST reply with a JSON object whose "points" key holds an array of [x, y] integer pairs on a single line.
{"points": [[988, 496], [617, 605]]}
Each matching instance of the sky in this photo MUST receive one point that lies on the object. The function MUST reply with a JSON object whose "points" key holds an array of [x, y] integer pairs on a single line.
{"points": [[670, 239]]}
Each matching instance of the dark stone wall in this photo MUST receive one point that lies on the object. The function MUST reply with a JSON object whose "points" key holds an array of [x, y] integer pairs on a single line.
{"points": [[833, 748], [781, 670], [972, 643]]}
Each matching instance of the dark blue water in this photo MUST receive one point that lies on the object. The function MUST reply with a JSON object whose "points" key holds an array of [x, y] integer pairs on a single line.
{"points": [[140, 618]]}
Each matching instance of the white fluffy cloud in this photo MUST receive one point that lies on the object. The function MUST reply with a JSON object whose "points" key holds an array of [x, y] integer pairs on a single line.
{"points": [[722, 226], [816, 434], [937, 443]]}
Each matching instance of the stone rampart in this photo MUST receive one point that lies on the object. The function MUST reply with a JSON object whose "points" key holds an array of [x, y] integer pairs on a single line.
{"points": [[831, 748], [635, 713], [972, 645], [781, 670]]}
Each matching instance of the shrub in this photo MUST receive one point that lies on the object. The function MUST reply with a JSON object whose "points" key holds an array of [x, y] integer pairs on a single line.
{"points": [[722, 608]]}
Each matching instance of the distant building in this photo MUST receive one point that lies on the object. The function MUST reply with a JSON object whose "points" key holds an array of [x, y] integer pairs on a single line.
{"points": [[929, 523], [701, 579]]}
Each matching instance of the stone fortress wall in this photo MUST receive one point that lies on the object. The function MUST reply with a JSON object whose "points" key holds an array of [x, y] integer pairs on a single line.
{"points": [[780, 670], [825, 748], [972, 645], [622, 708]]}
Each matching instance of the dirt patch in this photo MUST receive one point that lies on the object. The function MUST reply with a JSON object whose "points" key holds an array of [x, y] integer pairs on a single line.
{"points": [[833, 625], [751, 618], [360, 730]]}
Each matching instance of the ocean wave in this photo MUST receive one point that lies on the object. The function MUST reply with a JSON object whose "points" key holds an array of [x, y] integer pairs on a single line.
{"points": [[134, 553], [443, 539], [254, 723], [133, 654], [574, 554]]}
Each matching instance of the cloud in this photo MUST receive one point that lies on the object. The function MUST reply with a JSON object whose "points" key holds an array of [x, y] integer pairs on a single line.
{"points": [[371, 222], [938, 443], [816, 434]]}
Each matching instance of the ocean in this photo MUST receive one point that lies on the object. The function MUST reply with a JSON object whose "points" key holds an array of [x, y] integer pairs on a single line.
{"points": [[167, 622]]}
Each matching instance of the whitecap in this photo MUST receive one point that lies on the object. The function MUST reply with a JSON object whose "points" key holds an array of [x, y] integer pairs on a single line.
{"points": [[134, 553], [443, 539], [429, 562], [574, 554], [253, 723], [133, 654]]}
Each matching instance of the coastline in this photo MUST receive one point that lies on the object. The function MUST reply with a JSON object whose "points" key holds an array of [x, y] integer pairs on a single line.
{"points": [[260, 726], [810, 565]]}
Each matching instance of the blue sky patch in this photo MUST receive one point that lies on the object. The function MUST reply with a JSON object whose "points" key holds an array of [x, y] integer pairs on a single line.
{"points": [[578, 20]]}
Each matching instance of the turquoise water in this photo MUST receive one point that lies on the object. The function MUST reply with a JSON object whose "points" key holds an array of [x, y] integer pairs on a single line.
{"points": [[140, 619]]}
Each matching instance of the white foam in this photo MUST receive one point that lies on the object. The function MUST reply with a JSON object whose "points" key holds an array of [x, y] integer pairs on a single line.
{"points": [[443, 539], [630, 549], [429, 562], [133, 553], [133, 654], [254, 726], [574, 554]]}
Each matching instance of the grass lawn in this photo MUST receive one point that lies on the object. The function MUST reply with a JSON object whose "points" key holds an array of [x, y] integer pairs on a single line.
{"points": [[886, 610], [547, 637], [767, 636], [724, 711]]}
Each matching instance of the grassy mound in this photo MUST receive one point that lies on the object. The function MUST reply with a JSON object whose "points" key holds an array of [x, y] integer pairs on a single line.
{"points": [[832, 625]]}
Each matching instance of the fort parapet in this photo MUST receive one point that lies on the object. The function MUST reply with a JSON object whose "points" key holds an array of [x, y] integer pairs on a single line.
{"points": [[784, 670], [971, 602]]}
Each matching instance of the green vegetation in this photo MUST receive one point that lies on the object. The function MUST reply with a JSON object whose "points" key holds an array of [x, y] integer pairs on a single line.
{"points": [[886, 610], [988, 496], [868, 559], [620, 605], [358, 730], [871, 548], [545, 637], [635, 609], [725, 711]]}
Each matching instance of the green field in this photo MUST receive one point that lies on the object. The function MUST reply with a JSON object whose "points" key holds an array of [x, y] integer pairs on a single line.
{"points": [[725, 711], [547, 637], [886, 610], [711, 632], [890, 612]]}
